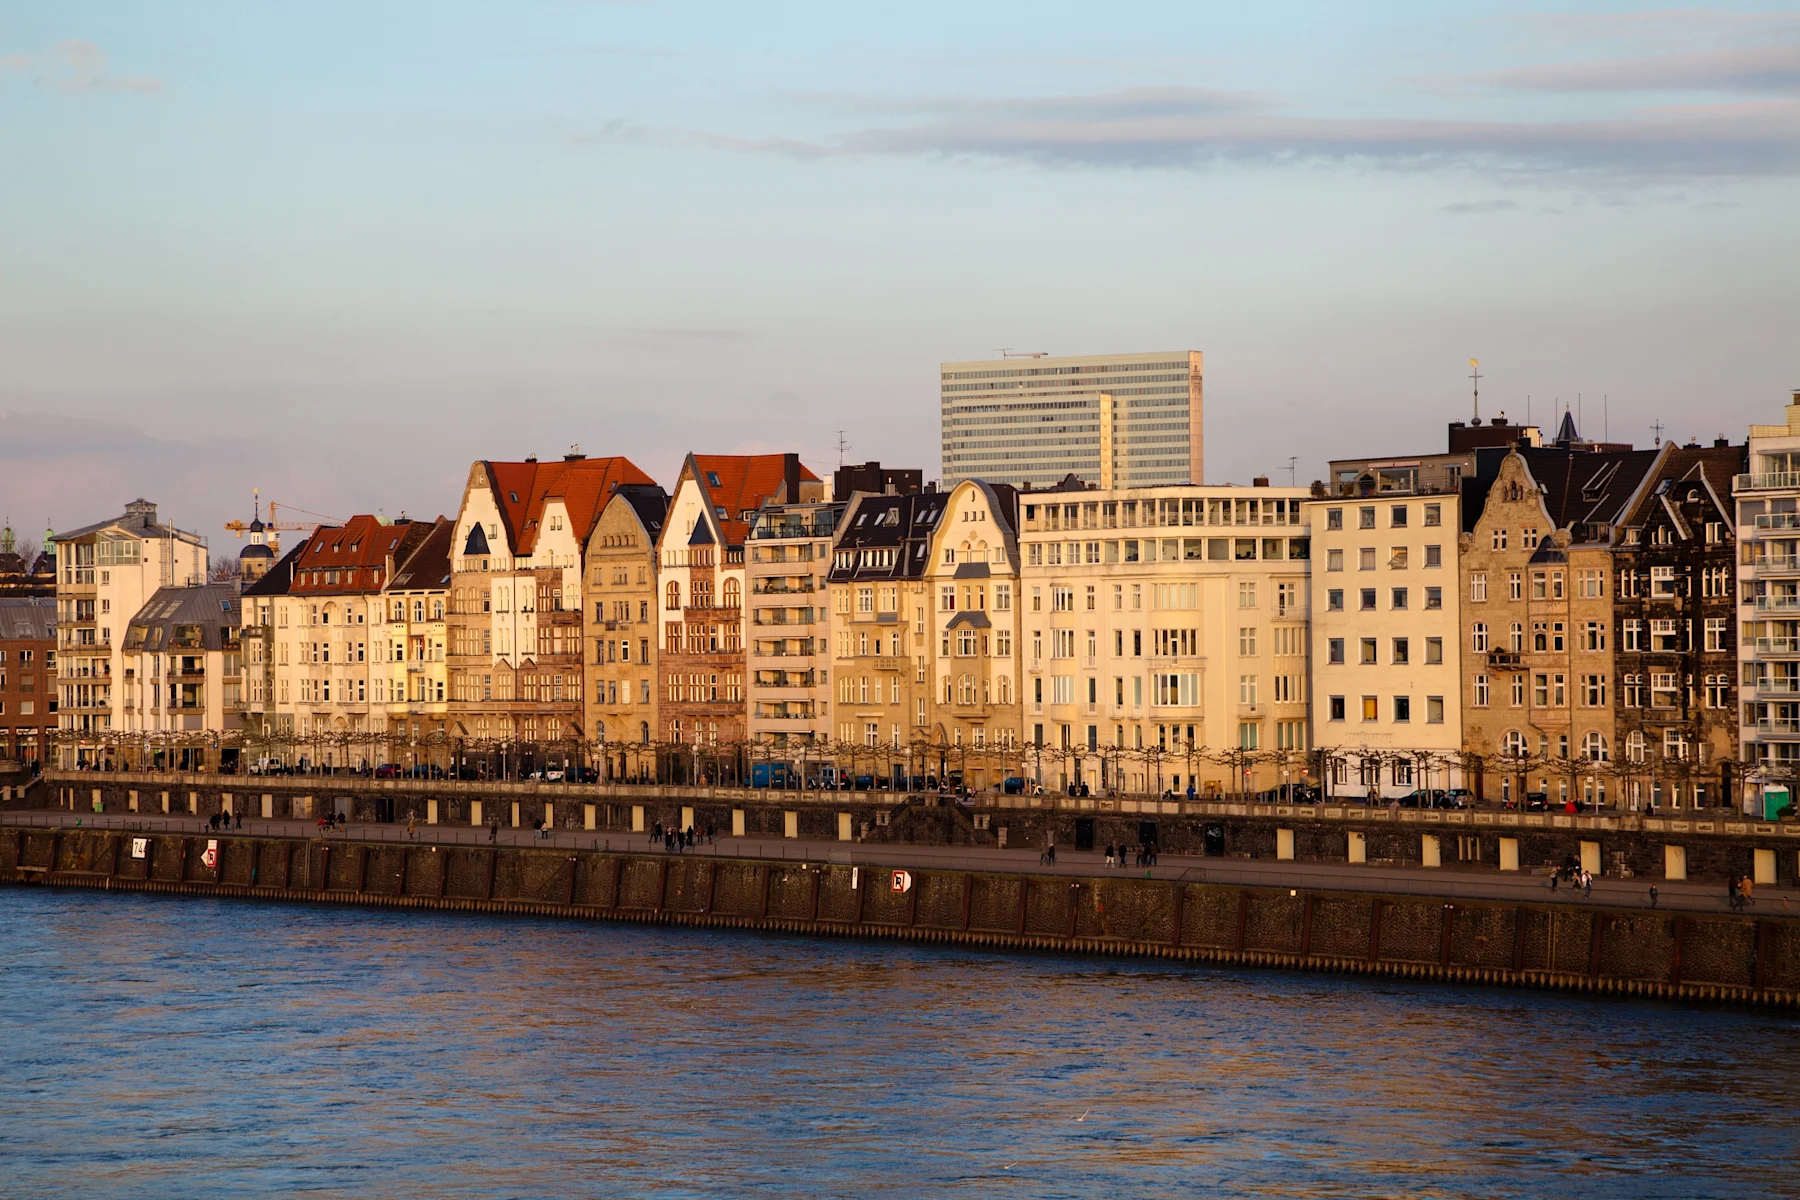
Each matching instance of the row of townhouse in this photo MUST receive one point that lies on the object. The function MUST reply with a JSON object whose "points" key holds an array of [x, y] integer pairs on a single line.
{"points": [[1517, 616]]}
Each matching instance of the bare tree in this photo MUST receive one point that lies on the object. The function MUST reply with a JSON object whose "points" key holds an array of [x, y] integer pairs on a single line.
{"points": [[27, 550], [223, 569]]}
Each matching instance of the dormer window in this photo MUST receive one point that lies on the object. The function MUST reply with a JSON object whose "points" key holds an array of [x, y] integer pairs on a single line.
{"points": [[513, 496], [712, 479]]}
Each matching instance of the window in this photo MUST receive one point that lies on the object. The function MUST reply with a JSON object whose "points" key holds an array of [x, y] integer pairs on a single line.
{"points": [[1247, 641], [1365, 517], [1368, 651], [1481, 691], [1334, 600], [1434, 557], [1246, 689], [1434, 597], [1634, 746], [1593, 635], [1434, 651], [672, 596], [1498, 539], [1334, 651], [1335, 707], [1663, 691], [1515, 585], [1397, 558], [1434, 514], [1248, 732], [1402, 708], [1401, 654], [1665, 635], [1397, 516], [1716, 637], [1368, 599], [1478, 637], [1633, 634], [1371, 709], [1662, 581], [1513, 744], [1246, 595], [1334, 518], [1718, 691], [1593, 584], [1334, 560], [1540, 690], [1397, 600], [1365, 558], [1539, 585], [1528, 538], [1631, 691], [1478, 587], [1593, 691], [1515, 638]]}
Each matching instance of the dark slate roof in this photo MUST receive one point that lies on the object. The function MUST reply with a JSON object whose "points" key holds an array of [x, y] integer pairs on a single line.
{"points": [[28, 618], [1712, 466], [139, 517], [650, 503], [280, 577], [1582, 489], [902, 523], [427, 568], [200, 614]]}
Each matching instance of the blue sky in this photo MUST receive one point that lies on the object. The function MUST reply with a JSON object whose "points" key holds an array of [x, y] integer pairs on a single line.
{"points": [[340, 250]]}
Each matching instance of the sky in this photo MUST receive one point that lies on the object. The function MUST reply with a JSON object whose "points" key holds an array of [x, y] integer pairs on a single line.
{"points": [[339, 251]]}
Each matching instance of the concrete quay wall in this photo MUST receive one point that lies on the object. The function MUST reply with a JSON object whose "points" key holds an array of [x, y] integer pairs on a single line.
{"points": [[1710, 845], [1575, 946]]}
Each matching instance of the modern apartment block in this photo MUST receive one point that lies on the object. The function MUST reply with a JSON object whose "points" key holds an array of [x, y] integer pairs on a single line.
{"points": [[27, 677], [1163, 636], [1111, 420], [1385, 603], [881, 630], [789, 653], [621, 619], [182, 674], [1767, 497], [104, 574]]}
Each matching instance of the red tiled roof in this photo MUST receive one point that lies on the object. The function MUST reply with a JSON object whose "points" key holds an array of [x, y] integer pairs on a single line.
{"points": [[584, 485], [352, 557], [746, 481]]}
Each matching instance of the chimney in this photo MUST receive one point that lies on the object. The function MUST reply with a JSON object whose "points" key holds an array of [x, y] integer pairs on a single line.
{"points": [[1260, 481], [790, 477]]}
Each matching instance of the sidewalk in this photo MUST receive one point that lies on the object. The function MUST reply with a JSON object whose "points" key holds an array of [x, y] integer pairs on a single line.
{"points": [[1449, 882]]}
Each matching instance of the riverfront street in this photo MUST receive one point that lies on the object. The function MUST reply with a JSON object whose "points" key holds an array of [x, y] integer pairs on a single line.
{"points": [[1448, 882]]}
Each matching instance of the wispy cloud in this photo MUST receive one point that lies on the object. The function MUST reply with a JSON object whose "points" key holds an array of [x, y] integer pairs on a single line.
{"points": [[1197, 128], [1758, 69], [77, 67], [1653, 27], [1470, 208]]}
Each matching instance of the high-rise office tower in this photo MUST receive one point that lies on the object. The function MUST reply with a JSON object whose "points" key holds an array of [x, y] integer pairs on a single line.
{"points": [[1116, 420]]}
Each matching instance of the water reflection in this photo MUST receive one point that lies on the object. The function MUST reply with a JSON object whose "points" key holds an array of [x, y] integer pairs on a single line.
{"points": [[159, 1047]]}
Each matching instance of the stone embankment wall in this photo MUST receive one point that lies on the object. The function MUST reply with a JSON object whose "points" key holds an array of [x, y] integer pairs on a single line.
{"points": [[1575, 946], [1710, 846]]}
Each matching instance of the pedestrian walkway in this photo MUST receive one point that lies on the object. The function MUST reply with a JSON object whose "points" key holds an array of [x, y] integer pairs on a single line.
{"points": [[1448, 883]]}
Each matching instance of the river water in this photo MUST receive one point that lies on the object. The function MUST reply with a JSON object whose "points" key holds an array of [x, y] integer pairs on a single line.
{"points": [[157, 1047]]}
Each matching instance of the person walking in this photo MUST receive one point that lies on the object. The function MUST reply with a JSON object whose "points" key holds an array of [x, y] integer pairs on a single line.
{"points": [[1109, 854], [1745, 889], [412, 827], [1653, 895]]}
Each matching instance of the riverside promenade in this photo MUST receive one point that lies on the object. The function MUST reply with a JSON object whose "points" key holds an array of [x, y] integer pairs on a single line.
{"points": [[1448, 882]]}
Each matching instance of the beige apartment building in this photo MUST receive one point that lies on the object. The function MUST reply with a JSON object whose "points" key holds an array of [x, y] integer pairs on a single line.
{"points": [[182, 677], [881, 632], [620, 696], [1163, 637], [515, 620], [1539, 638], [411, 668], [1386, 671], [1127, 419], [104, 575], [973, 714]]}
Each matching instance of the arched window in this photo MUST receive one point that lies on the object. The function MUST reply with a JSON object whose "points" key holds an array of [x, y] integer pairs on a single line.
{"points": [[437, 610], [418, 610], [1513, 743], [731, 593], [1593, 747], [399, 610], [673, 599], [644, 732], [1634, 746]]}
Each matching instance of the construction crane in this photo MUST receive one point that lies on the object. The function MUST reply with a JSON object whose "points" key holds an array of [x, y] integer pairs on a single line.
{"points": [[274, 522]]}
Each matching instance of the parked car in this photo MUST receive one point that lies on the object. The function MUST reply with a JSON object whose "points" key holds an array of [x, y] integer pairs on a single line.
{"points": [[1456, 798], [1537, 801]]}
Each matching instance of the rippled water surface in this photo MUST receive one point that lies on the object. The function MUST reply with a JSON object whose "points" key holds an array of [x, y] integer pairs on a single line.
{"points": [[156, 1047]]}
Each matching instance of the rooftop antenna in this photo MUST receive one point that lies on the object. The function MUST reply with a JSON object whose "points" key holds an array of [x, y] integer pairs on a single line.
{"points": [[1475, 375], [1292, 460], [1658, 427], [842, 446], [1606, 417]]}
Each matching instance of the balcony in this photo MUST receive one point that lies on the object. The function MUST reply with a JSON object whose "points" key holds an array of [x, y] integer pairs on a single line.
{"points": [[1777, 604], [1779, 727], [765, 587], [1777, 647], [1778, 686], [1777, 564], [1774, 481], [799, 711], [785, 679], [1778, 521], [768, 617]]}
